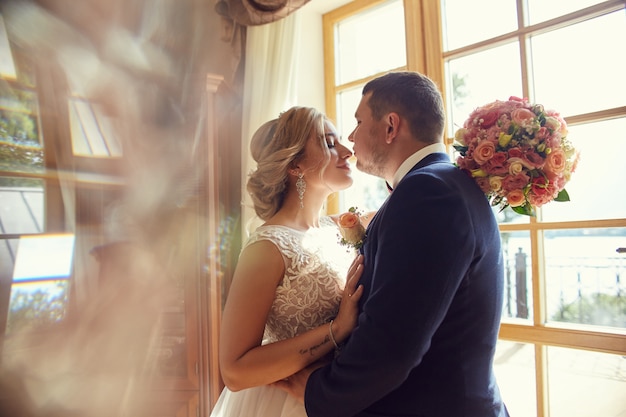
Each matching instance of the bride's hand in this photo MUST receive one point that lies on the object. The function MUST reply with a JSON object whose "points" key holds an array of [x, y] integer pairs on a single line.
{"points": [[346, 319]]}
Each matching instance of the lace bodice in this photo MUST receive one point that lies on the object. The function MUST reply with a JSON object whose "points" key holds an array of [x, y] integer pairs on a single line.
{"points": [[315, 271]]}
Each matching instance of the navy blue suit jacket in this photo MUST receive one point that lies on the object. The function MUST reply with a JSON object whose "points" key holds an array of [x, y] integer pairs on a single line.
{"points": [[430, 312]]}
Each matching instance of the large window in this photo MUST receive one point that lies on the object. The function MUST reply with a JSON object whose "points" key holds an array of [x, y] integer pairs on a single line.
{"points": [[563, 338]]}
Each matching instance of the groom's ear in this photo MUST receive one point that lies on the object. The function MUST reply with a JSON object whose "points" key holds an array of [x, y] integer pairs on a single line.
{"points": [[392, 120]]}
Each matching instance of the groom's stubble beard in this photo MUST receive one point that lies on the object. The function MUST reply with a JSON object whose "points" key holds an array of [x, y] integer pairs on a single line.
{"points": [[375, 164]]}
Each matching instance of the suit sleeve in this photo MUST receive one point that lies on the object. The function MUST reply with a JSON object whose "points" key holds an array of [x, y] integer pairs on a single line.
{"points": [[422, 246]]}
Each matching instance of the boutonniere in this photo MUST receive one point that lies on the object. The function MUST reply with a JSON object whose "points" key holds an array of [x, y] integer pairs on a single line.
{"points": [[351, 229]]}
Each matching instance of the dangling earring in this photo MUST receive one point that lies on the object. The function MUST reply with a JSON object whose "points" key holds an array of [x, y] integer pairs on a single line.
{"points": [[301, 187]]}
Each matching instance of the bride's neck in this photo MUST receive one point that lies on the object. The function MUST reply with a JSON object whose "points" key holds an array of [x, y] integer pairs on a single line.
{"points": [[300, 218]]}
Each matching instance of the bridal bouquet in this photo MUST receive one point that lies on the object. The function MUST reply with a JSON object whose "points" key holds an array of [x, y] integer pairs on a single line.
{"points": [[351, 229], [518, 153]]}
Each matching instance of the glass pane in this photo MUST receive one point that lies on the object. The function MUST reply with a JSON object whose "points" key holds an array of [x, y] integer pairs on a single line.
{"points": [[21, 148], [40, 289], [347, 102], [472, 81], [542, 10], [517, 275], [565, 59], [92, 133], [585, 276], [21, 205], [37, 304], [370, 42], [466, 22], [54, 254], [583, 384], [514, 366], [596, 188]]}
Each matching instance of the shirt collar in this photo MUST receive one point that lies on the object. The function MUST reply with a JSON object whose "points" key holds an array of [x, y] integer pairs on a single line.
{"points": [[415, 158]]}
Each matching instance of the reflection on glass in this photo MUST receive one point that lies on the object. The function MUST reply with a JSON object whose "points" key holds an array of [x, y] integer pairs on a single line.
{"points": [[20, 145], [585, 276], [596, 188], [371, 42], [37, 304], [39, 293], [466, 22], [92, 133], [21, 205], [517, 275], [583, 383], [481, 78], [514, 366], [542, 10], [564, 59]]}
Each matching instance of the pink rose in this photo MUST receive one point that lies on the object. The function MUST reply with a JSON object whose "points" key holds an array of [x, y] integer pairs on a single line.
{"points": [[539, 186], [533, 159], [466, 163], [522, 116], [484, 151], [542, 191], [555, 161], [512, 182], [515, 198], [497, 164], [515, 153]]}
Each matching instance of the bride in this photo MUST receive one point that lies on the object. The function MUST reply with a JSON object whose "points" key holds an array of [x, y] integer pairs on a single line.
{"points": [[288, 305]]}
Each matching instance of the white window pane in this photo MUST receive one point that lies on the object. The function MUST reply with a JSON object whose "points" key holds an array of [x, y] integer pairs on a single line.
{"points": [[21, 205], [584, 384], [370, 42], [481, 78], [347, 102], [542, 10], [514, 367], [580, 68], [596, 188], [585, 276], [466, 22]]}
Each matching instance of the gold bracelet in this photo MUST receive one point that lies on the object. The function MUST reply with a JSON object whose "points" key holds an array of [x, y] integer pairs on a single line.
{"points": [[332, 338]]}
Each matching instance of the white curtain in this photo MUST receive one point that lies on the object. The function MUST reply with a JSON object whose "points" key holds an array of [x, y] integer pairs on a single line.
{"points": [[269, 88]]}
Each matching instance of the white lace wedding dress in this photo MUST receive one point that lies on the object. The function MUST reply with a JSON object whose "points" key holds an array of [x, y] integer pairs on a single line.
{"points": [[307, 297]]}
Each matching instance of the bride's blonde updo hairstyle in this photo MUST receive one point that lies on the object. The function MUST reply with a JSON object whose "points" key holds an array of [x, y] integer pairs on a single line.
{"points": [[277, 146]]}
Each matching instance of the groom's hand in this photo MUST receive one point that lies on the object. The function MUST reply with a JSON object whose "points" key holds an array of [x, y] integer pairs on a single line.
{"points": [[296, 383]]}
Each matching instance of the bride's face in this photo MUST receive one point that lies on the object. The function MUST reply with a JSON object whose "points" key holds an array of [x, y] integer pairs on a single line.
{"points": [[325, 163]]}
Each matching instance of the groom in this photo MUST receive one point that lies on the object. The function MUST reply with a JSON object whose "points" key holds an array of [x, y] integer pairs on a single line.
{"points": [[433, 274]]}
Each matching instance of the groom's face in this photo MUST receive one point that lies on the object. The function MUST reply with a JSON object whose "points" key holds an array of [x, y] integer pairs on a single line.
{"points": [[368, 138]]}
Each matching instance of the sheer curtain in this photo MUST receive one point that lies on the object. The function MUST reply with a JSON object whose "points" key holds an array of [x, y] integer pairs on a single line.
{"points": [[269, 88]]}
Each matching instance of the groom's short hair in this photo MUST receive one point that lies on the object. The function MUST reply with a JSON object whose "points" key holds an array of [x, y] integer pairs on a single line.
{"points": [[412, 95]]}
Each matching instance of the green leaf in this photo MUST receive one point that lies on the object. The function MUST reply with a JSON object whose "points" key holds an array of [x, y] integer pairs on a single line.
{"points": [[525, 210], [562, 196]]}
